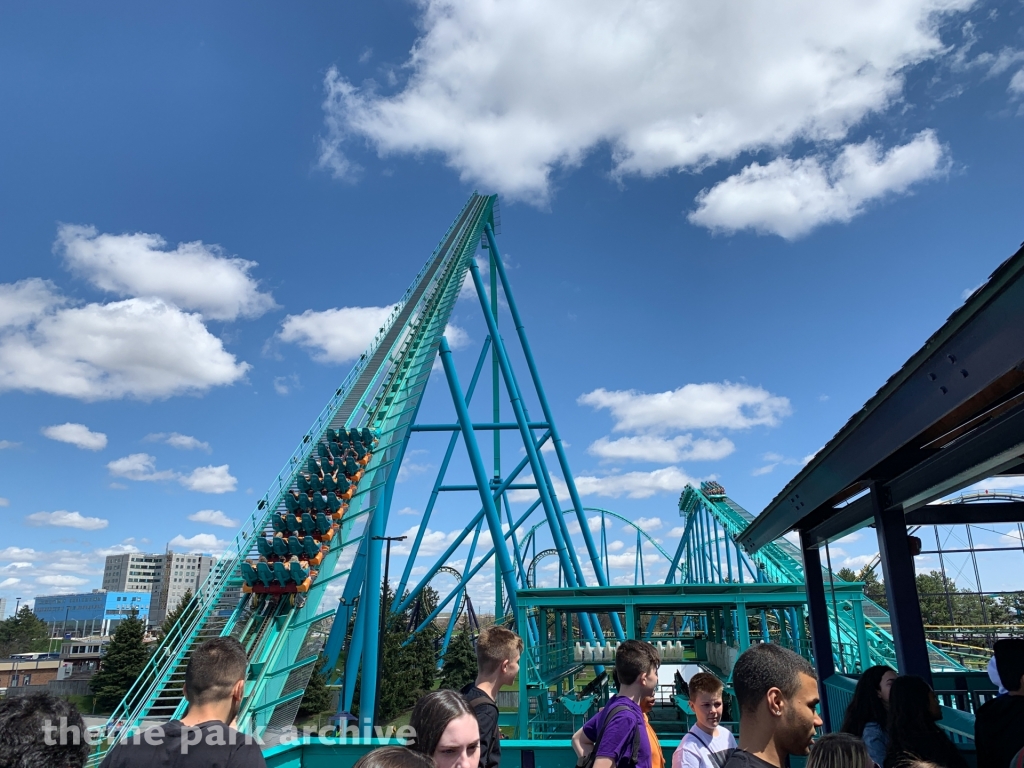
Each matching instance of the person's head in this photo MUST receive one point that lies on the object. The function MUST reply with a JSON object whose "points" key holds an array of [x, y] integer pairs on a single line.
{"points": [[839, 750], [777, 691], [445, 728], [497, 653], [870, 700], [913, 710], [706, 700], [636, 663], [1010, 663], [27, 723], [215, 675], [394, 757]]}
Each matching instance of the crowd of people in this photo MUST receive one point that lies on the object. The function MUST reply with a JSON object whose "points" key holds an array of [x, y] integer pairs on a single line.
{"points": [[891, 721]]}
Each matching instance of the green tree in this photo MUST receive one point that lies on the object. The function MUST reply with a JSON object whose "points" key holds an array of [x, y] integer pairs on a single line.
{"points": [[940, 598], [23, 633], [847, 574], [317, 697], [874, 588], [126, 656], [459, 668], [182, 612]]}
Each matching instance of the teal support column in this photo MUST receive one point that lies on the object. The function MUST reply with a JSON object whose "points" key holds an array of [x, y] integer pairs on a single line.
{"points": [[630, 621], [743, 622], [505, 570], [862, 635]]}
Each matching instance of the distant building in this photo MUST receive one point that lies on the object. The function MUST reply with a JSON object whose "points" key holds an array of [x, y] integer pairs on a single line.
{"points": [[3, 607], [181, 573], [90, 613], [133, 572], [28, 669]]}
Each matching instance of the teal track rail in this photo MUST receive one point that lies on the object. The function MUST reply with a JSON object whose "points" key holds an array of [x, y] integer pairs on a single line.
{"points": [[780, 562], [283, 640]]}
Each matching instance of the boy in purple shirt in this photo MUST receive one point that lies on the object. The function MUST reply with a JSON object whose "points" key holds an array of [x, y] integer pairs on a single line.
{"points": [[636, 668]]}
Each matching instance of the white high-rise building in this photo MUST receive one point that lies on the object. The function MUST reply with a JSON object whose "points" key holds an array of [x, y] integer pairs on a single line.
{"points": [[133, 572], [181, 572]]}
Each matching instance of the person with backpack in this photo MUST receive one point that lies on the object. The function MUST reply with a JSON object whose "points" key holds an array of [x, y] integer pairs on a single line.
{"points": [[497, 659], [617, 735]]}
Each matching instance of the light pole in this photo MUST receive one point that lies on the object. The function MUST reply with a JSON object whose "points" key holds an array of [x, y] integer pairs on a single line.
{"points": [[383, 619], [17, 603]]}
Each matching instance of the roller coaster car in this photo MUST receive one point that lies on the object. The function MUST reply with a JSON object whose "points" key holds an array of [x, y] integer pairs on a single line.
{"points": [[276, 589]]}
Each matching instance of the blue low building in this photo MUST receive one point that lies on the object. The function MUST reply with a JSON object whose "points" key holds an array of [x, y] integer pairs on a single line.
{"points": [[90, 613]]}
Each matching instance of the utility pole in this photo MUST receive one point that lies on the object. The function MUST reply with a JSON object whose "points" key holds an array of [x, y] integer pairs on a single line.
{"points": [[383, 620]]}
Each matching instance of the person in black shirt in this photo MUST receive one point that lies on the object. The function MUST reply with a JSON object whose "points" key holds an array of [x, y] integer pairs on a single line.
{"points": [[497, 659], [913, 733], [214, 683], [777, 691], [999, 726]]}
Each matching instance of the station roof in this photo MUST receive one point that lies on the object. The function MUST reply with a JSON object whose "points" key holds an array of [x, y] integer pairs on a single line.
{"points": [[951, 416]]}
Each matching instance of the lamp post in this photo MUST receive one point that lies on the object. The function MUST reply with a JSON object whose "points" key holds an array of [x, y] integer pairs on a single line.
{"points": [[383, 619], [17, 604]]}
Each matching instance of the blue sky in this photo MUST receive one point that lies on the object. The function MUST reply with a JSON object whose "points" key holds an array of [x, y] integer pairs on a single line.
{"points": [[764, 215]]}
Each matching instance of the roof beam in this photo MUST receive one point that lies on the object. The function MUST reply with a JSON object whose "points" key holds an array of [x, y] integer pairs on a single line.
{"points": [[954, 373], [964, 514]]}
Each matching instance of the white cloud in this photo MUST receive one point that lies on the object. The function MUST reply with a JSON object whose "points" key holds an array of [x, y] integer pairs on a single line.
{"points": [[118, 549], [856, 562], [409, 511], [78, 435], [693, 406], [765, 470], [60, 580], [210, 480], [178, 440], [192, 276], [140, 467], [1016, 86], [789, 198], [18, 553], [213, 517], [4, 502], [661, 450], [997, 484], [648, 523], [676, 532], [201, 542], [458, 338], [284, 384], [62, 518], [635, 485], [9, 582], [23, 302], [433, 543], [4, 444], [335, 335], [509, 93], [142, 348]]}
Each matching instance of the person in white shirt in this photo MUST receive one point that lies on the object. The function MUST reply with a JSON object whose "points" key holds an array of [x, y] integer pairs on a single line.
{"points": [[707, 744]]}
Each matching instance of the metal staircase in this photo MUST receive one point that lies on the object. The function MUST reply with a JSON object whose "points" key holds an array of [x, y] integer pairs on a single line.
{"points": [[283, 638]]}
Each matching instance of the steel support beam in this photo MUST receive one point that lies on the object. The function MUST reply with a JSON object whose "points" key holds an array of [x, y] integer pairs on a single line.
{"points": [[967, 514], [506, 573], [900, 588], [821, 634]]}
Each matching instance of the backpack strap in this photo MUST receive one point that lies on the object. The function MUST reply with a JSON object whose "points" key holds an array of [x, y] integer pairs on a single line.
{"points": [[607, 719], [486, 701]]}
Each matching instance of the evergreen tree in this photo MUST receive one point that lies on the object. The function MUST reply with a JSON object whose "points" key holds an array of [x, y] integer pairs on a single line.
{"points": [[317, 697], [126, 656], [182, 612], [23, 633], [459, 662], [847, 574], [874, 589]]}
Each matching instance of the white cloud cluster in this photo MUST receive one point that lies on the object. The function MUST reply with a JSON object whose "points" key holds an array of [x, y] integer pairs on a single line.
{"points": [[192, 276], [509, 93], [178, 440], [335, 335], [141, 467], [693, 406], [143, 348], [213, 517], [661, 449], [789, 198], [200, 543], [64, 519], [78, 435], [635, 485]]}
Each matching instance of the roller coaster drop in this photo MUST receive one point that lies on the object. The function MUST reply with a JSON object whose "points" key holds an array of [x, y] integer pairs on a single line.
{"points": [[285, 634]]}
